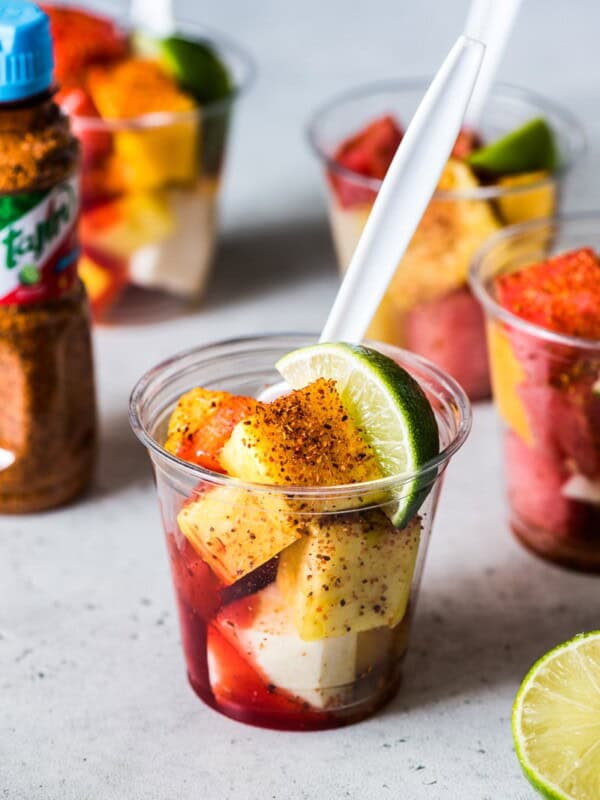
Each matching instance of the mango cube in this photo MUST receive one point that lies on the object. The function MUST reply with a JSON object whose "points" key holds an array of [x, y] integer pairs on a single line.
{"points": [[450, 232]]}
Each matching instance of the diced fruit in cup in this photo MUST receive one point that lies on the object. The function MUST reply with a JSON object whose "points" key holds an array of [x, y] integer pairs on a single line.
{"points": [[194, 65], [508, 375], [535, 481], [526, 149], [104, 280], [157, 153], [450, 233], [534, 203], [350, 573], [561, 294], [236, 531], [202, 422], [467, 141], [371, 151], [96, 144], [81, 39], [384, 402], [425, 330], [261, 629], [322, 672], [179, 262], [122, 226], [307, 603], [158, 156], [101, 181], [306, 437]]}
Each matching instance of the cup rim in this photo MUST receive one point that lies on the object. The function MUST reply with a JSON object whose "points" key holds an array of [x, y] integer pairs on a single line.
{"points": [[499, 90], [491, 305], [460, 404], [158, 119]]}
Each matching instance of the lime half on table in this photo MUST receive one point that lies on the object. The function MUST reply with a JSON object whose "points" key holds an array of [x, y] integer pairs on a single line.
{"points": [[556, 721], [384, 401]]}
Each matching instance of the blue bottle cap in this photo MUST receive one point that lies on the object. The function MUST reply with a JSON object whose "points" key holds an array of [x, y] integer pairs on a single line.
{"points": [[26, 61]]}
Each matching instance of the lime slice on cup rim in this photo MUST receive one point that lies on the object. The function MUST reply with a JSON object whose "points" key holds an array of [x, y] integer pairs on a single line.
{"points": [[388, 405], [556, 721], [527, 149]]}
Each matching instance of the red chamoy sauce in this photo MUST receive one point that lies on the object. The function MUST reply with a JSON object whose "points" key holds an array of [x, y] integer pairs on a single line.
{"points": [[230, 685], [561, 294]]}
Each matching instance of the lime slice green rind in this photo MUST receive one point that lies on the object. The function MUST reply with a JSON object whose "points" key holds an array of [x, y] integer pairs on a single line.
{"points": [[556, 721], [193, 64], [527, 149], [197, 68], [385, 402]]}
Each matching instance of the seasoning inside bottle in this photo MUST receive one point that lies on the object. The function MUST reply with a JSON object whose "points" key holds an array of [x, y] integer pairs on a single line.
{"points": [[47, 395]]}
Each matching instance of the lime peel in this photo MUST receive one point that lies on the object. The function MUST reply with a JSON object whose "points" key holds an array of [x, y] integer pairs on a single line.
{"points": [[385, 402], [556, 721]]}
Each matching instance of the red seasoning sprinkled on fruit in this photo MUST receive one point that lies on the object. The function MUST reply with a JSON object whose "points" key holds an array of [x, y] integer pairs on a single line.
{"points": [[561, 294]]}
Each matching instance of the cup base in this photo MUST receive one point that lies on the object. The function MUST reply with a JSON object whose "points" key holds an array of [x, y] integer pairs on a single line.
{"points": [[578, 554], [311, 721]]}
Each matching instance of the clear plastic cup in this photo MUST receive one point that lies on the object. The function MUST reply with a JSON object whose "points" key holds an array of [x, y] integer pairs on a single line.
{"points": [[314, 637], [547, 392], [150, 189], [428, 308]]}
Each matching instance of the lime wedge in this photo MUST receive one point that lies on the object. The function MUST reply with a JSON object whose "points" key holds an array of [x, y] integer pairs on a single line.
{"points": [[193, 64], [526, 149], [556, 721], [384, 401]]}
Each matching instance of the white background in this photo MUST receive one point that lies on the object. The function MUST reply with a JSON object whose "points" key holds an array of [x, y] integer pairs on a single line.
{"points": [[93, 697]]}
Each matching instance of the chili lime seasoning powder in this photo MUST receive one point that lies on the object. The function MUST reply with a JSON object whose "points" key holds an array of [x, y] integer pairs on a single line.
{"points": [[47, 397], [561, 294]]}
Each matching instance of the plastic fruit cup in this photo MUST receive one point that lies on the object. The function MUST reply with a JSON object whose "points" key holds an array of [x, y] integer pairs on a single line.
{"points": [[429, 308], [547, 392], [242, 648], [150, 188]]}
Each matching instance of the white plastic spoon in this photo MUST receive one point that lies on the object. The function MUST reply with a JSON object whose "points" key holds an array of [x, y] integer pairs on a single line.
{"points": [[490, 21], [403, 197], [154, 16]]}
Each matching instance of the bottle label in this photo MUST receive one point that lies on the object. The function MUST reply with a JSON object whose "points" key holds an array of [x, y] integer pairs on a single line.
{"points": [[38, 243]]}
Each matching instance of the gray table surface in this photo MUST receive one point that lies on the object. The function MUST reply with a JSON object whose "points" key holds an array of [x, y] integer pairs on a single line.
{"points": [[93, 698]]}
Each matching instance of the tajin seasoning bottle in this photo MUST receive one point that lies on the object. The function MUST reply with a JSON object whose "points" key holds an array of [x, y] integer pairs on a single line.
{"points": [[47, 396]]}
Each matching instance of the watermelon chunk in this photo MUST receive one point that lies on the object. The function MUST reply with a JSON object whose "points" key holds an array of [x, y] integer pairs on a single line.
{"points": [[81, 39], [368, 153], [535, 480], [450, 331], [561, 294]]}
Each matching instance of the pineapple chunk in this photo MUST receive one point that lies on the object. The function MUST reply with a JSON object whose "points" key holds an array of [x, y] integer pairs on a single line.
{"points": [[438, 257], [163, 151], [507, 374], [351, 573], [236, 531], [122, 226], [523, 206], [303, 438]]}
